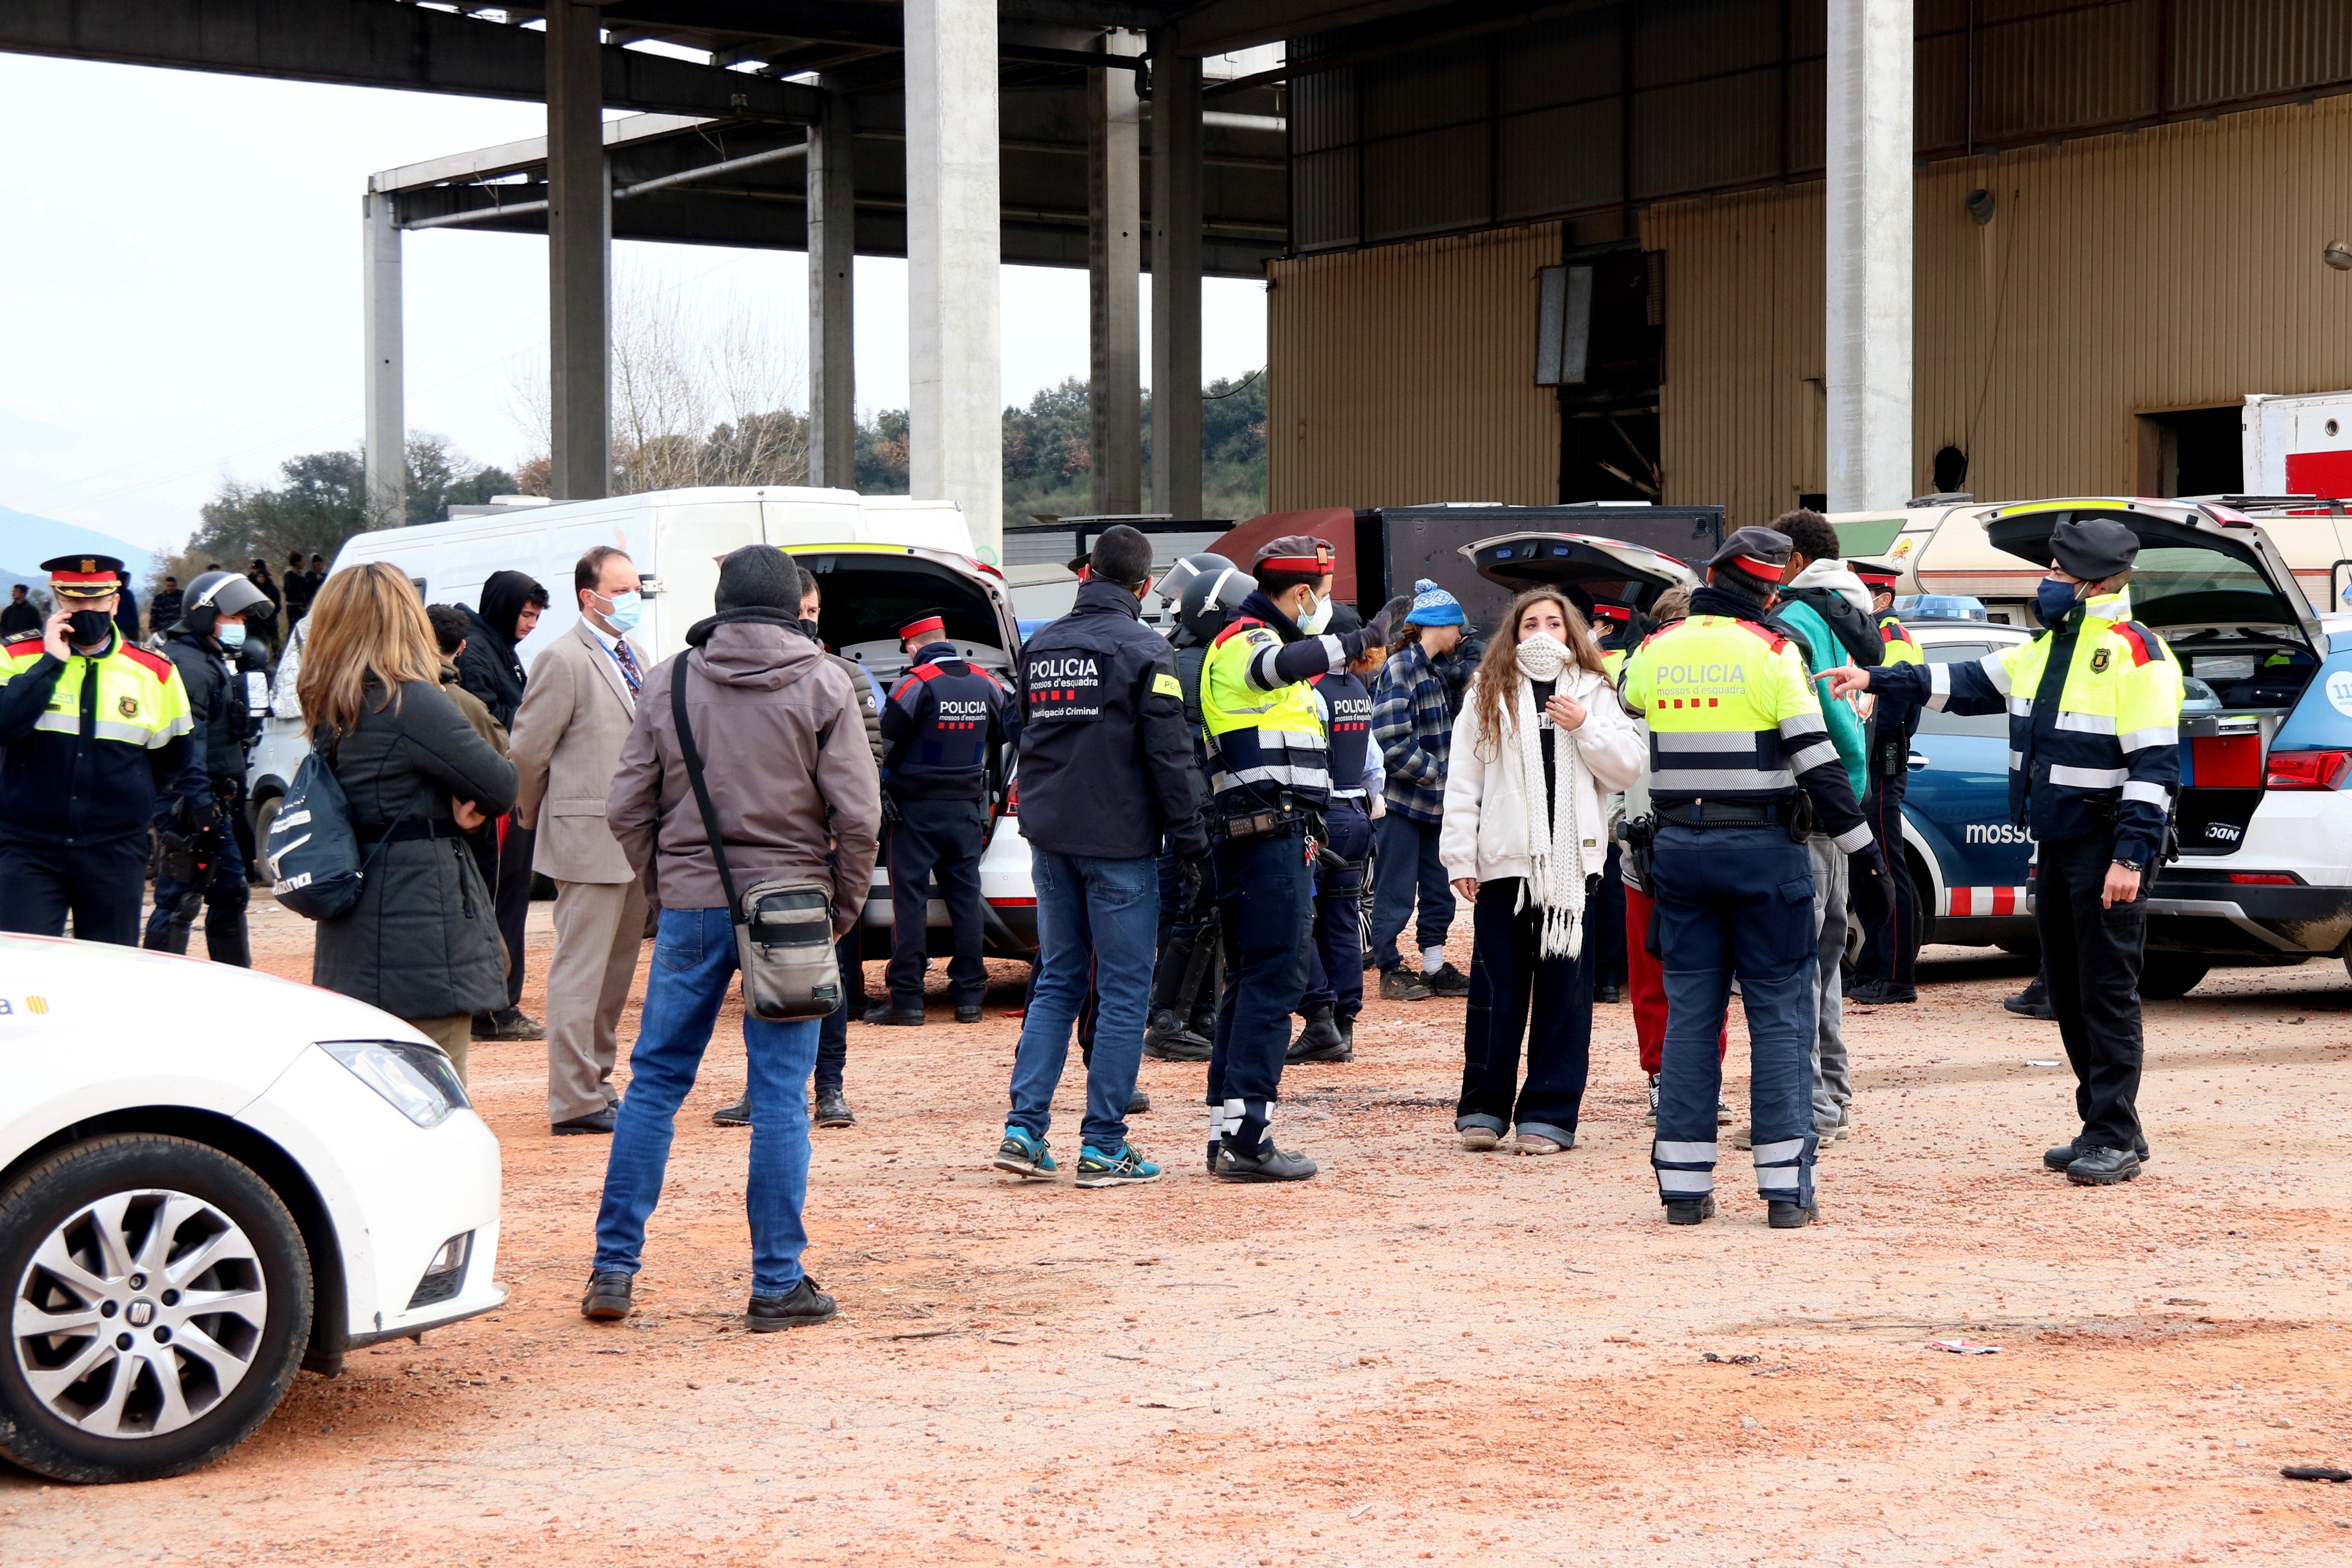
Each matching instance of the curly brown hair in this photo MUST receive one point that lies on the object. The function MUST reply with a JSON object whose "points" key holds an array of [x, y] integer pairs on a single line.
{"points": [[1492, 693]]}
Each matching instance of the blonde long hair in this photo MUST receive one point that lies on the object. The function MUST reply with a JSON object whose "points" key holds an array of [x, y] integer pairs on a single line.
{"points": [[367, 625], [1492, 694]]}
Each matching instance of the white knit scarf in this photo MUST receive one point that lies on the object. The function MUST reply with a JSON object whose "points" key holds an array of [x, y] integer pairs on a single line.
{"points": [[1555, 848]]}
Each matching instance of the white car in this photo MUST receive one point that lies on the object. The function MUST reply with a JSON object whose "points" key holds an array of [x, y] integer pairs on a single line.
{"points": [[210, 1178]]}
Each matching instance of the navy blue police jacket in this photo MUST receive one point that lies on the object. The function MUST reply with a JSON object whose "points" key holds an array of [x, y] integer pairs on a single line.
{"points": [[942, 723], [1107, 764]]}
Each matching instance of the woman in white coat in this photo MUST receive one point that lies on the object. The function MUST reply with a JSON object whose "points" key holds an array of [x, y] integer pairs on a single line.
{"points": [[1541, 741]]}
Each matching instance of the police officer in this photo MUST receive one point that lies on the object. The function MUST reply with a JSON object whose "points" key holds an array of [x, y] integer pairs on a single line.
{"points": [[1205, 590], [1269, 768], [1106, 773], [95, 730], [941, 726], [2093, 739], [1335, 967], [1888, 969], [202, 862], [1736, 738]]}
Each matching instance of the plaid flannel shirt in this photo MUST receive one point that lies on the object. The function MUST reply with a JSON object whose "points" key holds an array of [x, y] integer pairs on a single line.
{"points": [[1412, 724]]}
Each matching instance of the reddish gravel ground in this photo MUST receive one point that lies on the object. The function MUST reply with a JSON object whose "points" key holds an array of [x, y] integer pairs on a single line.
{"points": [[1423, 1354]]}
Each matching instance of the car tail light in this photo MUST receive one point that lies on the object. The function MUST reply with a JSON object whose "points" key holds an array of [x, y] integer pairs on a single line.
{"points": [[2263, 878], [2308, 769]]}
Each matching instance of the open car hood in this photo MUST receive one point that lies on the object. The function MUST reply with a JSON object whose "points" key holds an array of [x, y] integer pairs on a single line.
{"points": [[2199, 564], [1632, 574]]}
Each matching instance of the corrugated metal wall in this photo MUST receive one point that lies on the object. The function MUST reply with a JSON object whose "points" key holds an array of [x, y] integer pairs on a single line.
{"points": [[1408, 376], [2173, 267]]}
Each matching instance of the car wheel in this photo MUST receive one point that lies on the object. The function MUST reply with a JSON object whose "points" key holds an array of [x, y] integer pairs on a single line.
{"points": [[263, 815], [2171, 980], [159, 1299]]}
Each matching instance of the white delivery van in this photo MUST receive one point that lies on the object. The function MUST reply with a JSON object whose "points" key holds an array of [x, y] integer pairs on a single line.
{"points": [[878, 559]]}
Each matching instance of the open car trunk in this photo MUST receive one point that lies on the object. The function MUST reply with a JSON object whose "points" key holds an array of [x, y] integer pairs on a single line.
{"points": [[1610, 569], [871, 590], [2216, 589]]}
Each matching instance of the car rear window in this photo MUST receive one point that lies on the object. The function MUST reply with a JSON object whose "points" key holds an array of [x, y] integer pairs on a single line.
{"points": [[2174, 585]]}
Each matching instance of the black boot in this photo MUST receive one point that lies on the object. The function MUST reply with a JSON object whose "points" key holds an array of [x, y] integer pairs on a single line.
{"points": [[831, 1108], [1689, 1211], [1169, 1041], [2065, 1154], [887, 1015], [1346, 1022], [1319, 1040], [735, 1115], [1786, 1215], [2033, 1002], [2102, 1167]]}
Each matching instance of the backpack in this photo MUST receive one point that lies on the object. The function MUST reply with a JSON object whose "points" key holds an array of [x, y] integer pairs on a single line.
{"points": [[312, 850]]}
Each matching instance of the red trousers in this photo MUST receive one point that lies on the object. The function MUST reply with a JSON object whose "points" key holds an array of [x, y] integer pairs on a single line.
{"points": [[1648, 983]]}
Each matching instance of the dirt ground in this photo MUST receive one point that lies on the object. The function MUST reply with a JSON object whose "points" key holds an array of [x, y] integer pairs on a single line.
{"points": [[1423, 1354]]}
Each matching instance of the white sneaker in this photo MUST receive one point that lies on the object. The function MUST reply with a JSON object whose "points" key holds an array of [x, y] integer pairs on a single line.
{"points": [[1722, 1112], [1651, 1120]]}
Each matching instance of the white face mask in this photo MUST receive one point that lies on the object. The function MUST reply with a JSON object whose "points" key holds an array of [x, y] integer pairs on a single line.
{"points": [[1313, 622]]}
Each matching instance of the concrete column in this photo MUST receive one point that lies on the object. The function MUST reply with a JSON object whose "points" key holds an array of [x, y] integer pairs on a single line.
{"points": [[832, 254], [1114, 265], [1868, 319], [579, 255], [953, 251], [1175, 279], [384, 418]]}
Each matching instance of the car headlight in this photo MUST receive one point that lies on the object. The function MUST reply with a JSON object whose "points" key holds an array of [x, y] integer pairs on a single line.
{"points": [[416, 1080]]}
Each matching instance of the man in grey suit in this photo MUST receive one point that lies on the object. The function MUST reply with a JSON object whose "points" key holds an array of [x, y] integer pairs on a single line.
{"points": [[568, 733]]}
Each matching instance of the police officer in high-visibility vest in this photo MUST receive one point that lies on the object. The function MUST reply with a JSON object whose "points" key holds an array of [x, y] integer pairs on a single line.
{"points": [[1269, 771], [2094, 763], [1888, 970], [1335, 967], [95, 730], [1742, 772], [940, 729]]}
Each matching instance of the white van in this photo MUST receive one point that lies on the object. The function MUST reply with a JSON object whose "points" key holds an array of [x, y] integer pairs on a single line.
{"points": [[878, 559]]}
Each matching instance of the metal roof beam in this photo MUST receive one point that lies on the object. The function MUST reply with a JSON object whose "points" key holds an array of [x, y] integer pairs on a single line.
{"points": [[379, 43]]}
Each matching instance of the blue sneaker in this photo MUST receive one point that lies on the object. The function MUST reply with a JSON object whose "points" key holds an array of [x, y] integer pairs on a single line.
{"points": [[1024, 1153], [1125, 1168]]}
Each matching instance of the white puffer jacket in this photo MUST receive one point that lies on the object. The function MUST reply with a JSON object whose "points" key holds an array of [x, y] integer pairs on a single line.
{"points": [[1484, 833]]}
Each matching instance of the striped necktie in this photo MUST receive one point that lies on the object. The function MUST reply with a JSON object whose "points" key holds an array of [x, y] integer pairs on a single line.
{"points": [[628, 663]]}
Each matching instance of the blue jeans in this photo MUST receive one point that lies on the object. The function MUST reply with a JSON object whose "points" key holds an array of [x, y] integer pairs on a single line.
{"points": [[694, 958], [1736, 900], [1408, 863], [1100, 918]]}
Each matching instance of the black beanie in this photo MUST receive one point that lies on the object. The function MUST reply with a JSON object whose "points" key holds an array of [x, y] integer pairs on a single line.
{"points": [[757, 576]]}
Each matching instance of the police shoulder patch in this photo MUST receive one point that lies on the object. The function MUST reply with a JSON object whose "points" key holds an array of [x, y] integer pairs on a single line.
{"points": [[155, 664], [2138, 640], [1167, 685]]}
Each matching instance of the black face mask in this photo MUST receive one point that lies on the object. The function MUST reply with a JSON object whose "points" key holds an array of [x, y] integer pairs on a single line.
{"points": [[808, 629], [87, 628]]}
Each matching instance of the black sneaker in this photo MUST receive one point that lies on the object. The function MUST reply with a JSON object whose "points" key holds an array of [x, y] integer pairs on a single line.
{"points": [[607, 1300], [514, 1023], [1689, 1211], [2102, 1167], [2065, 1154], [1402, 984], [1319, 1040], [1137, 1102], [595, 1124], [1448, 981], [1786, 1215], [1891, 993], [832, 1107], [735, 1115], [1864, 988], [806, 1305], [1272, 1164], [2033, 1002], [887, 1015]]}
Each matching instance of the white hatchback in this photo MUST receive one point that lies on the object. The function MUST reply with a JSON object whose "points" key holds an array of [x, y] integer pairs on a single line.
{"points": [[211, 1178]]}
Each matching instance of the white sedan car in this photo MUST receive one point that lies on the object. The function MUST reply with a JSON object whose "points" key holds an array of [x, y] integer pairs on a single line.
{"points": [[210, 1178]]}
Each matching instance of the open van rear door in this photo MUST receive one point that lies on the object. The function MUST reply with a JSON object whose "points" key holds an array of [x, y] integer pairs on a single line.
{"points": [[1605, 568]]}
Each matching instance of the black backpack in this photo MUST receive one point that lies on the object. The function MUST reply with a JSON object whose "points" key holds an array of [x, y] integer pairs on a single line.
{"points": [[314, 851]]}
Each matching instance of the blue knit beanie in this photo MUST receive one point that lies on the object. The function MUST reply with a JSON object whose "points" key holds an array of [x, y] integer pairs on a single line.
{"points": [[1433, 606]]}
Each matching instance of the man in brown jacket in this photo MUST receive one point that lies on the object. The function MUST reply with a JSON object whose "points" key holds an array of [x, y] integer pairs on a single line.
{"points": [[568, 731], [795, 794]]}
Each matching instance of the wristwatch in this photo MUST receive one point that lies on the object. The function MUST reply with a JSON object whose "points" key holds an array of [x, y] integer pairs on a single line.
{"points": [[2134, 867]]}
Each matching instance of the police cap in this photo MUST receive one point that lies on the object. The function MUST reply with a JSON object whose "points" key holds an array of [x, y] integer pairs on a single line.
{"points": [[1878, 576], [2094, 548], [1761, 553], [1296, 554], [84, 577], [924, 624]]}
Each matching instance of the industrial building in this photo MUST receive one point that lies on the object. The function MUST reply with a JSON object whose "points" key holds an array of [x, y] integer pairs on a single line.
{"points": [[1749, 252]]}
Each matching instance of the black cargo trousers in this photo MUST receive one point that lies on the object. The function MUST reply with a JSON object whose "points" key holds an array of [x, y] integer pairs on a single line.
{"points": [[2091, 961]]}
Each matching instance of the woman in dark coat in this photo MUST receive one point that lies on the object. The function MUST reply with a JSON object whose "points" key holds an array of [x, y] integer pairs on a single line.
{"points": [[491, 669], [423, 942]]}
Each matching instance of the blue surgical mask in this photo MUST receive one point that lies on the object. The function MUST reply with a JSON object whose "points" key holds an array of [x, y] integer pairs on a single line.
{"points": [[232, 637], [2054, 601], [627, 610], [1313, 622]]}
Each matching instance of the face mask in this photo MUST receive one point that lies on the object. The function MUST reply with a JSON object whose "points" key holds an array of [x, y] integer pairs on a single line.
{"points": [[627, 610], [231, 637], [2054, 601], [808, 630], [1313, 622], [89, 627]]}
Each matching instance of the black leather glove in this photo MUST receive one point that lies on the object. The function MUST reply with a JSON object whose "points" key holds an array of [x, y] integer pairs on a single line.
{"points": [[1870, 897], [1377, 629], [889, 813]]}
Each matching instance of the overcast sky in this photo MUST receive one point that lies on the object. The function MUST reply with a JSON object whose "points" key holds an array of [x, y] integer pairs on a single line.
{"points": [[181, 281]]}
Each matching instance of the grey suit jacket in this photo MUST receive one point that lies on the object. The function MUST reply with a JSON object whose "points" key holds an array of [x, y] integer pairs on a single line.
{"points": [[576, 713]]}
